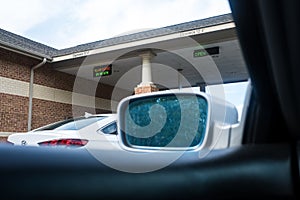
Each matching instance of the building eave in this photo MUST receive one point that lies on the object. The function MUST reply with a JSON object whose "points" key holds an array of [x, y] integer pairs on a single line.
{"points": [[142, 42], [22, 51]]}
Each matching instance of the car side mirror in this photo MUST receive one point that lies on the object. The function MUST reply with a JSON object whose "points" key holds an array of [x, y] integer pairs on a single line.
{"points": [[170, 120]]}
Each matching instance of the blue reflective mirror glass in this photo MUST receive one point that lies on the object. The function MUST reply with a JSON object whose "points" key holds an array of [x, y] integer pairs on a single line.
{"points": [[171, 121]]}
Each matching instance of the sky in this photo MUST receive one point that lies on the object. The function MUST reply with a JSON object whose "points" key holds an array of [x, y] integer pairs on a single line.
{"points": [[66, 23]]}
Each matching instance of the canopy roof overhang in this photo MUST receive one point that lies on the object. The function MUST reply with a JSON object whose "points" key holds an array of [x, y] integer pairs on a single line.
{"points": [[174, 47], [173, 51]]}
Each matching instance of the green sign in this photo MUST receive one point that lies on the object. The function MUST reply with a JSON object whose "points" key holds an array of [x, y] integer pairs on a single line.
{"points": [[104, 70], [200, 53], [207, 51]]}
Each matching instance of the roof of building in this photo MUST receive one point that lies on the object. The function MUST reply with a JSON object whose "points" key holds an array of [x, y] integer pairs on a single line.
{"points": [[18, 42], [12, 40]]}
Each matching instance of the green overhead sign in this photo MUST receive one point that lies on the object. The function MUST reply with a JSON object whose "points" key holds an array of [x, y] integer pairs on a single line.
{"points": [[200, 53], [207, 51], [104, 70]]}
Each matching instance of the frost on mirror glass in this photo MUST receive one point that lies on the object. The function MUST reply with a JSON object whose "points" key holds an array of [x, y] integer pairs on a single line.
{"points": [[166, 121]]}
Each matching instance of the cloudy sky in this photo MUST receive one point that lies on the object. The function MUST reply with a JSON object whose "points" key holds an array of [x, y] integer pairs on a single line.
{"points": [[65, 23]]}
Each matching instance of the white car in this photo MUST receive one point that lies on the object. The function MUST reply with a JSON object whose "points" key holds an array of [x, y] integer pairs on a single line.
{"points": [[88, 130]]}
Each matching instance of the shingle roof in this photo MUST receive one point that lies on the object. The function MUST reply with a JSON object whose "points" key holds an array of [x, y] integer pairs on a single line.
{"points": [[149, 34], [36, 48], [21, 43]]}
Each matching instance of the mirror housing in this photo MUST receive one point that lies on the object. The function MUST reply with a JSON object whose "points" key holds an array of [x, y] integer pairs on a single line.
{"points": [[171, 120]]}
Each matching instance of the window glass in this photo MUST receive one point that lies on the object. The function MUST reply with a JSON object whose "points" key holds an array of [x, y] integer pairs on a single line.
{"points": [[110, 129], [71, 124], [232, 92], [172, 49]]}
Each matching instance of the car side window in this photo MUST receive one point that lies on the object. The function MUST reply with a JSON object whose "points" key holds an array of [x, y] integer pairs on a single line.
{"points": [[110, 129]]}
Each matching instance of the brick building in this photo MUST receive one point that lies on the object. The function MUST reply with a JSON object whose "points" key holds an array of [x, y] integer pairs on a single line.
{"points": [[51, 93], [37, 82]]}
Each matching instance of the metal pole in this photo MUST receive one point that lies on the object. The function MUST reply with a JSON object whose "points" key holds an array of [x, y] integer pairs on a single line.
{"points": [[31, 92]]}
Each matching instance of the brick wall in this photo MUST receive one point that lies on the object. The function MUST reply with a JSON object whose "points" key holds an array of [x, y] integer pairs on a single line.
{"points": [[145, 89], [13, 113], [15, 66], [57, 111], [46, 76], [14, 108]]}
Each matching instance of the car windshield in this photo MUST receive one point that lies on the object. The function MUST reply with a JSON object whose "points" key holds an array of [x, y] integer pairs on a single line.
{"points": [[89, 56], [71, 124]]}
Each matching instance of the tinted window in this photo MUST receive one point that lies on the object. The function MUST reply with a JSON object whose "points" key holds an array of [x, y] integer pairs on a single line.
{"points": [[71, 124], [110, 129]]}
